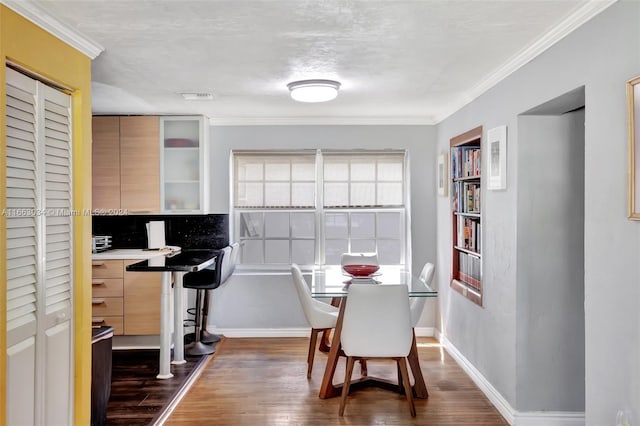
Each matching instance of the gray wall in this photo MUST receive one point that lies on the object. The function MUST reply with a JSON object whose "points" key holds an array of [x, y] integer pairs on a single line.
{"points": [[418, 140], [550, 263], [601, 56]]}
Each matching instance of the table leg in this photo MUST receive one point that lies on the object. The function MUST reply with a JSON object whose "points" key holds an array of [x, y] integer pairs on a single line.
{"points": [[325, 340], [178, 319], [419, 386], [327, 389], [165, 328]]}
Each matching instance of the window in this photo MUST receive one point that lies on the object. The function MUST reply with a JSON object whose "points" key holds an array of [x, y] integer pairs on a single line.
{"points": [[309, 207]]}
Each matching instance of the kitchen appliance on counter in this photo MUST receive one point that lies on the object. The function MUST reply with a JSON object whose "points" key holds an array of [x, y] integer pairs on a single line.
{"points": [[100, 243]]}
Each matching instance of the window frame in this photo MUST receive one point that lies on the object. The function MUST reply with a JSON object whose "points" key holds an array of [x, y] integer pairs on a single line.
{"points": [[319, 209]]}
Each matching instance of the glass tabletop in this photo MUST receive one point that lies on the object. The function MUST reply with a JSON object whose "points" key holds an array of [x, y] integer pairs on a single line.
{"points": [[334, 282]]}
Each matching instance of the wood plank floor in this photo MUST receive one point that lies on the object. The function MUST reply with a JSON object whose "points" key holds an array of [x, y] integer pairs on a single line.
{"points": [[263, 382], [137, 397]]}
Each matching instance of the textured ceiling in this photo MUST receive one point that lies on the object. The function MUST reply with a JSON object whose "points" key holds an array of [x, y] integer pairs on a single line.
{"points": [[398, 61]]}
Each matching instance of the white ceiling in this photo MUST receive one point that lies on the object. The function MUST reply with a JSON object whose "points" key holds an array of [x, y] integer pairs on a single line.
{"points": [[398, 61]]}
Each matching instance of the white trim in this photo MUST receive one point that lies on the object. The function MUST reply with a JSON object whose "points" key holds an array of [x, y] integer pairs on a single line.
{"points": [[557, 33], [324, 121], [513, 417], [424, 331], [35, 13], [261, 332], [501, 404], [550, 418]]}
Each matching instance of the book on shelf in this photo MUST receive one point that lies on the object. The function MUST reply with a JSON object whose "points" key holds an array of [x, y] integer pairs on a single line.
{"points": [[465, 197], [469, 230], [469, 269], [465, 161]]}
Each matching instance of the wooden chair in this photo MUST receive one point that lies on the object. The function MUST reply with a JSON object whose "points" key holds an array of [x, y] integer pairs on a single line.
{"points": [[320, 316], [367, 334]]}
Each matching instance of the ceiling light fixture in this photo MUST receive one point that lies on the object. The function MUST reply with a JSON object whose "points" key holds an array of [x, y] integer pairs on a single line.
{"points": [[314, 90]]}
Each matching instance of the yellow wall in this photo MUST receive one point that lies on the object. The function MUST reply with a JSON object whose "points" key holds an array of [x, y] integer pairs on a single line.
{"points": [[35, 50]]}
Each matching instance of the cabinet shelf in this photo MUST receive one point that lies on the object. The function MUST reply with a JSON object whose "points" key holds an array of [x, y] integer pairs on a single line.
{"points": [[471, 252], [466, 214]]}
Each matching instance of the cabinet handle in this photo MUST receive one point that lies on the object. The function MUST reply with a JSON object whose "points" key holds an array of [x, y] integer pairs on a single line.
{"points": [[96, 263], [97, 301], [97, 320], [140, 210], [97, 282]]}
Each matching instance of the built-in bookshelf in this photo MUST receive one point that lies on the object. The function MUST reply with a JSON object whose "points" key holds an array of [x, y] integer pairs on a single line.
{"points": [[466, 216]]}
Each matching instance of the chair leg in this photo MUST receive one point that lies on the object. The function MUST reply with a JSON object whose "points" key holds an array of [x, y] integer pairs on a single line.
{"points": [[402, 366], [196, 347], [363, 368], [205, 336], [312, 350], [347, 383]]}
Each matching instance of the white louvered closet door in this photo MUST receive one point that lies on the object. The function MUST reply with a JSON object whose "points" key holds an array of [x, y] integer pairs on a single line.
{"points": [[39, 253]]}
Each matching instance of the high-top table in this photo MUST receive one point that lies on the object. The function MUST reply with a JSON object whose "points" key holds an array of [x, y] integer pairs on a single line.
{"points": [[173, 266], [333, 283]]}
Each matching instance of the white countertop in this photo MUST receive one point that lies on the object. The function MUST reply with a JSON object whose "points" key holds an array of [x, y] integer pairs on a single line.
{"points": [[116, 254]]}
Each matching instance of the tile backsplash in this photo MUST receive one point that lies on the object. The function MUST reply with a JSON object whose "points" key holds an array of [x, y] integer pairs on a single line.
{"points": [[186, 231]]}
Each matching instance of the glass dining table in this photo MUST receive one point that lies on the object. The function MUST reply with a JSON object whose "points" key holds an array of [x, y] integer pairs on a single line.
{"points": [[333, 283]]}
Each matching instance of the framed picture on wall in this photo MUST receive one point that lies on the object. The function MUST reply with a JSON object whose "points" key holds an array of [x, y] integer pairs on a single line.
{"points": [[442, 173], [633, 99], [497, 158]]}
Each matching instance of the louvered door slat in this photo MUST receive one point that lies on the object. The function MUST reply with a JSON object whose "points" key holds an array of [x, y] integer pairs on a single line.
{"points": [[21, 194], [58, 196]]}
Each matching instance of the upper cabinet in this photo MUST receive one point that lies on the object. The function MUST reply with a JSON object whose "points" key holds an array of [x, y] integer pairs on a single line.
{"points": [[126, 165], [106, 163], [139, 164], [149, 164], [183, 187]]}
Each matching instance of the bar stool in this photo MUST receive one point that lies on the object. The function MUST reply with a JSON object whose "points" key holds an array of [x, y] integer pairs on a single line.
{"points": [[202, 281]]}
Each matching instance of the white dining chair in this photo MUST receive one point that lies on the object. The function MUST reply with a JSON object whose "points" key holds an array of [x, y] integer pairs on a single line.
{"points": [[417, 303], [368, 334], [319, 315]]}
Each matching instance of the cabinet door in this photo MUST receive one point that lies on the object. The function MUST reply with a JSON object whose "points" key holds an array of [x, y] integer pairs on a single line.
{"points": [[142, 301], [183, 188], [140, 164], [106, 163]]}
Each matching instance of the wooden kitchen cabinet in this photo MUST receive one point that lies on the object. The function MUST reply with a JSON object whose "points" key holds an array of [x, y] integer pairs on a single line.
{"points": [[127, 301], [141, 301], [106, 163], [107, 294], [140, 164], [126, 164]]}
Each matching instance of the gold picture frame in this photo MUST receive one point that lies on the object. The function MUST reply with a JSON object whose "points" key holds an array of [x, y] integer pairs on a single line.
{"points": [[633, 102]]}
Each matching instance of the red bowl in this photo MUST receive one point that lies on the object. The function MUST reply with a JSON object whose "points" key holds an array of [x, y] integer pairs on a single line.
{"points": [[360, 270]]}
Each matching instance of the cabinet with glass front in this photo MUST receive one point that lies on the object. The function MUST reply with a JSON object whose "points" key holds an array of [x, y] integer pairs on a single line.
{"points": [[183, 173]]}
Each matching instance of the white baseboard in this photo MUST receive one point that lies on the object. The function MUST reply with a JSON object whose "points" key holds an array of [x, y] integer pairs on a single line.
{"points": [[289, 332], [424, 331], [261, 332], [550, 418], [513, 417]]}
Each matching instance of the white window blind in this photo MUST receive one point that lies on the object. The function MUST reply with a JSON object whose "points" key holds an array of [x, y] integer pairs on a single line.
{"points": [[363, 180], [310, 207], [22, 231], [274, 180]]}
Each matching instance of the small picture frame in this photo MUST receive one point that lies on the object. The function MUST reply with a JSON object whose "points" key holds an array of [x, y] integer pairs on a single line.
{"points": [[497, 158], [441, 174], [633, 102]]}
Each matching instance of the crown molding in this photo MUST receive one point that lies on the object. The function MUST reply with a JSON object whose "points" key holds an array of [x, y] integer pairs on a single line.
{"points": [[35, 13], [557, 33], [322, 121]]}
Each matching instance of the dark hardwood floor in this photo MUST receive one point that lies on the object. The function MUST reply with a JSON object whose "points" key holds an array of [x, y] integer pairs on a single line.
{"points": [[263, 382], [137, 397]]}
